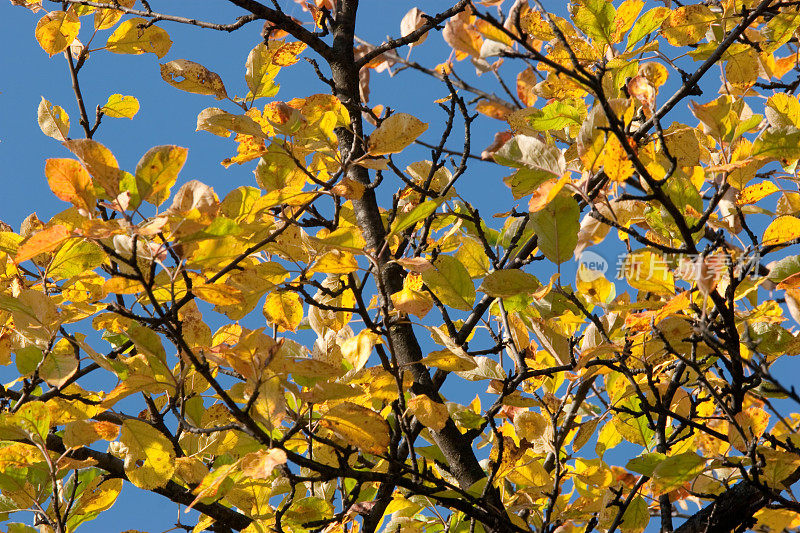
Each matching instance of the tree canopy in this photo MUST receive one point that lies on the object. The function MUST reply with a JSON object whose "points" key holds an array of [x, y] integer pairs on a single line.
{"points": [[352, 342]]}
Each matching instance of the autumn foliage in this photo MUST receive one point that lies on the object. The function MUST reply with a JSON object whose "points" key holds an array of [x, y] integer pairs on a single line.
{"points": [[419, 363]]}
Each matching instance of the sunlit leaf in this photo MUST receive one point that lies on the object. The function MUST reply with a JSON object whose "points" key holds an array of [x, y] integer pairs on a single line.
{"points": [[138, 36], [56, 30], [395, 133], [119, 106]]}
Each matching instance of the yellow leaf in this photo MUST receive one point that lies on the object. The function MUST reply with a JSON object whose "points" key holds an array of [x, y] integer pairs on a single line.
{"points": [[70, 182], [193, 77], [430, 413], [57, 368], [84, 432], [395, 133], [616, 164], [356, 350], [530, 426], [359, 426], [753, 422], [351, 189], [687, 24], [219, 294], [43, 241], [118, 285], [412, 302], [53, 120], [98, 495], [287, 54], [135, 36], [753, 193], [106, 18], [56, 30], [150, 458], [100, 163], [119, 106], [782, 229], [526, 81], [260, 464], [157, 171], [284, 309], [648, 271], [655, 73]]}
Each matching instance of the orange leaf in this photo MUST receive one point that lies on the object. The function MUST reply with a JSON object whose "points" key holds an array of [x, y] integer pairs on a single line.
{"points": [[42, 241], [70, 182], [545, 193]]}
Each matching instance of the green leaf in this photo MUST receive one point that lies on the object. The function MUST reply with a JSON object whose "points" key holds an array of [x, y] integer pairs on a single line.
{"points": [[645, 463], [507, 283], [75, 257], [596, 19], [778, 143], [646, 24], [420, 212], [674, 471], [557, 227], [636, 516], [450, 282]]}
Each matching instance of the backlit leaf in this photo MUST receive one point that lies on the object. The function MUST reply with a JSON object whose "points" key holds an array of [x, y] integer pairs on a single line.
{"points": [[359, 426], [70, 182], [430, 413], [451, 283], [419, 213], [119, 106], [674, 471], [510, 282], [556, 227], [261, 463], [46, 240], [100, 163], [284, 309], [687, 24]]}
